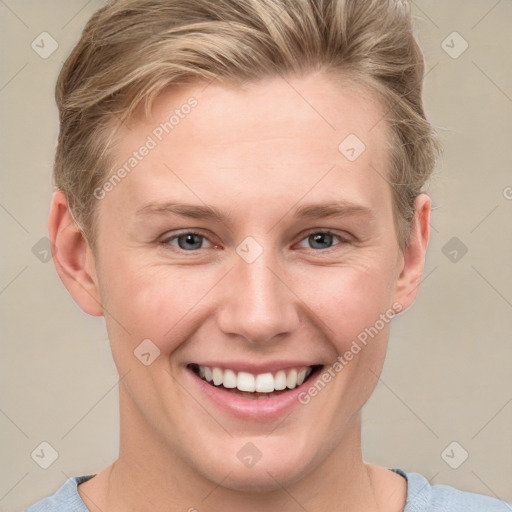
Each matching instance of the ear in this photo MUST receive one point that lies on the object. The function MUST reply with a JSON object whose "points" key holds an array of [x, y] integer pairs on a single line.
{"points": [[73, 257], [413, 256]]}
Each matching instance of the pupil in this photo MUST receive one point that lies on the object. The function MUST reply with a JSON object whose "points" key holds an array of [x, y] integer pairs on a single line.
{"points": [[189, 239], [321, 238]]}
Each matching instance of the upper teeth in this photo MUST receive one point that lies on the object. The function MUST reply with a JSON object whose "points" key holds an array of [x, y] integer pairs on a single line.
{"points": [[260, 383]]}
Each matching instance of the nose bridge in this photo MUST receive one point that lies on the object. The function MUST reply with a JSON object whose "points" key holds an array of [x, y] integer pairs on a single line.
{"points": [[257, 304]]}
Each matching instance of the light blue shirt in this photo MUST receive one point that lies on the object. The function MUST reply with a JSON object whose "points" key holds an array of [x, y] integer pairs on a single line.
{"points": [[421, 497]]}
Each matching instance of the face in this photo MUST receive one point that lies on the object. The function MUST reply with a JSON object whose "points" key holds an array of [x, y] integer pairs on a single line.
{"points": [[253, 245]]}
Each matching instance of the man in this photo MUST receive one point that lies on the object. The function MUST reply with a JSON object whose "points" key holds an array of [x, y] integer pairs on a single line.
{"points": [[239, 193]]}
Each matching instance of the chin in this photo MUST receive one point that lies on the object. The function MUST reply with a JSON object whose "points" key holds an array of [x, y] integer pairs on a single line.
{"points": [[274, 469]]}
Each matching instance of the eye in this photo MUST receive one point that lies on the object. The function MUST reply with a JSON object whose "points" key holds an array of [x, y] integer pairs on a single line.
{"points": [[322, 239], [187, 241], [191, 241]]}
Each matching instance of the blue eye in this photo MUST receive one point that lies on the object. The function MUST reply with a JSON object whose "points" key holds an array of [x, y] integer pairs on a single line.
{"points": [[191, 241], [187, 241], [322, 239]]}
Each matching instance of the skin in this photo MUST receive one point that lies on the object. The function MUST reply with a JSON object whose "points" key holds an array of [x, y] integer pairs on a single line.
{"points": [[256, 154]]}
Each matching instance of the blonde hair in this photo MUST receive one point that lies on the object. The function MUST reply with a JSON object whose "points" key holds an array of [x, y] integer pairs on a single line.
{"points": [[130, 50]]}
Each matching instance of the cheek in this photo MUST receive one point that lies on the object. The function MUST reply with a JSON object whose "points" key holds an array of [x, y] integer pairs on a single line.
{"points": [[349, 299], [155, 302], [354, 306]]}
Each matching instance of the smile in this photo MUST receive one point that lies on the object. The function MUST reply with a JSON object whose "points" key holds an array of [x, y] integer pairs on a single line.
{"points": [[247, 382], [251, 392]]}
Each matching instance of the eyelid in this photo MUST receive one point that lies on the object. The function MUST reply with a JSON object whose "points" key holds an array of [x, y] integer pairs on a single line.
{"points": [[344, 235], [343, 239], [168, 237]]}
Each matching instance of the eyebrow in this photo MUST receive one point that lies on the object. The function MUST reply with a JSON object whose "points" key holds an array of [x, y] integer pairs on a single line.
{"points": [[185, 210], [340, 208], [309, 211]]}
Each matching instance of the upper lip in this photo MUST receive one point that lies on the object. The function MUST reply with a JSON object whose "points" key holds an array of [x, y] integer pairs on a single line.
{"points": [[256, 368]]}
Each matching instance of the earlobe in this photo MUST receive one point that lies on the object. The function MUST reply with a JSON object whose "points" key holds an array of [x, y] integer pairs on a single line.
{"points": [[414, 254], [73, 257]]}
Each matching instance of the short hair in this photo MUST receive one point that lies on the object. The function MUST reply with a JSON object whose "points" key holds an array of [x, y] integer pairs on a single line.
{"points": [[131, 50]]}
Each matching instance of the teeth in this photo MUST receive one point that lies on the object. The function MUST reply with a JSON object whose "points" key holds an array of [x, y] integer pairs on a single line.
{"points": [[291, 380], [265, 383], [280, 380], [301, 377], [261, 383], [245, 382], [229, 380], [217, 376]]}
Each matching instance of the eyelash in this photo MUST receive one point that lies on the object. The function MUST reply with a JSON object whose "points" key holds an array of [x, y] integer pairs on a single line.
{"points": [[342, 240]]}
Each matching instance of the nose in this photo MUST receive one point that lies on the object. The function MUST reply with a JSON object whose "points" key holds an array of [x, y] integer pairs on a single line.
{"points": [[257, 303]]}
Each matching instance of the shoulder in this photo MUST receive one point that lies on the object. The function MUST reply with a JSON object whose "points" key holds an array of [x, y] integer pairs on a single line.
{"points": [[65, 499], [423, 497]]}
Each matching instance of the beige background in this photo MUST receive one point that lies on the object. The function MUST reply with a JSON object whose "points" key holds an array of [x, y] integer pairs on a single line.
{"points": [[447, 377]]}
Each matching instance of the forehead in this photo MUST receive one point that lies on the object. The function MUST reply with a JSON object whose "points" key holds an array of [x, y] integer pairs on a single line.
{"points": [[279, 134]]}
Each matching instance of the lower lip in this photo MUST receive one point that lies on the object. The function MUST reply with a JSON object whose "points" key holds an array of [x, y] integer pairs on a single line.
{"points": [[255, 409]]}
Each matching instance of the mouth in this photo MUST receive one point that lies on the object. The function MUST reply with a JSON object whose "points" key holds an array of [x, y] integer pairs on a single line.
{"points": [[249, 385]]}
